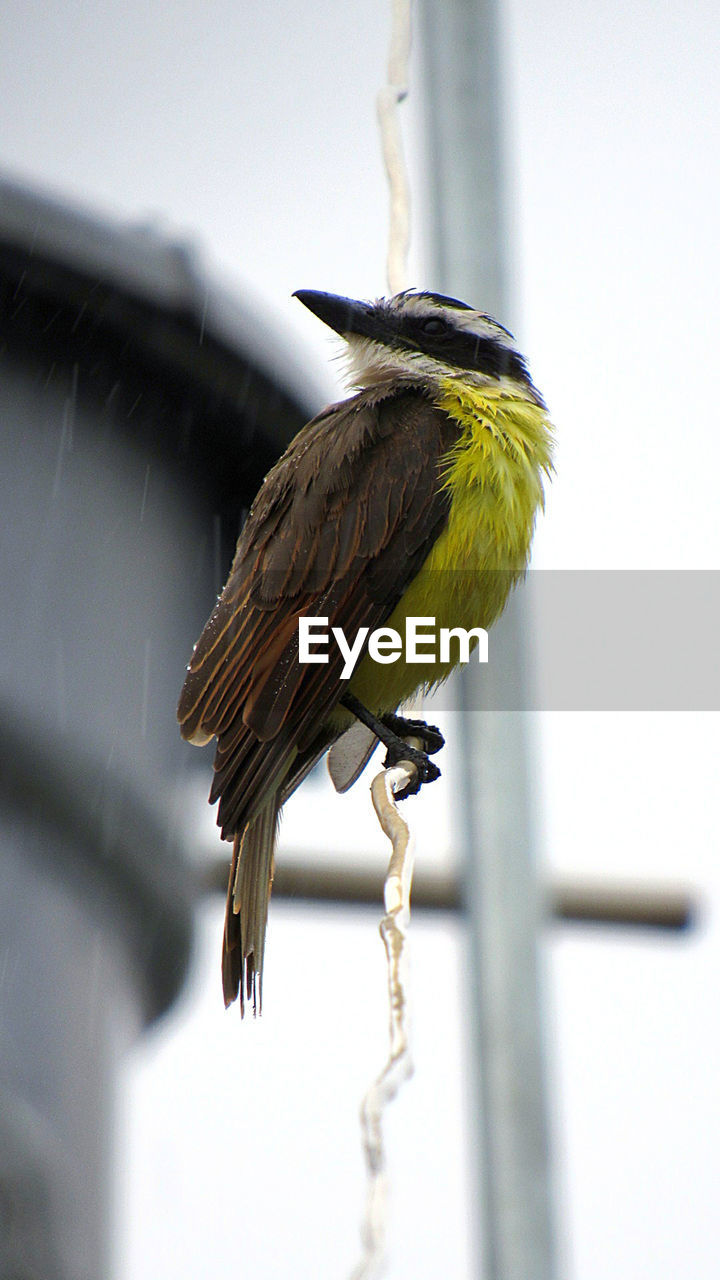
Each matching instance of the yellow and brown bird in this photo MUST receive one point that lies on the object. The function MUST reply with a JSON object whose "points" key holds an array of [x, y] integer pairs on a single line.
{"points": [[415, 497]]}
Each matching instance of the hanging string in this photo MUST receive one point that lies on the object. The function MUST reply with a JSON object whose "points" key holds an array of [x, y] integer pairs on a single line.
{"points": [[388, 100], [394, 925], [398, 1068]]}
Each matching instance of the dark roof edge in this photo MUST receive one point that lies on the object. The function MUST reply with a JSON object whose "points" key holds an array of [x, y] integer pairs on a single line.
{"points": [[145, 266]]}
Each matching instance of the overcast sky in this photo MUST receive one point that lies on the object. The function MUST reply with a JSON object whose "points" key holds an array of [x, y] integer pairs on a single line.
{"points": [[249, 130]]}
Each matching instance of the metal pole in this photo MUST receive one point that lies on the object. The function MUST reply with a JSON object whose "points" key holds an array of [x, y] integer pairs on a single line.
{"points": [[501, 897]]}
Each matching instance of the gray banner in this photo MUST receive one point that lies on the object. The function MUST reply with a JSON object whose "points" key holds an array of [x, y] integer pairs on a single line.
{"points": [[605, 641], [569, 640]]}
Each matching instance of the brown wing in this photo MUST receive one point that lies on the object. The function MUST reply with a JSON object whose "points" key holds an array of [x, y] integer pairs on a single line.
{"points": [[340, 526]]}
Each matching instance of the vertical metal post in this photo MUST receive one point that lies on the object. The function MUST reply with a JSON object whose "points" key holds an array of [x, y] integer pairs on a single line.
{"points": [[460, 41]]}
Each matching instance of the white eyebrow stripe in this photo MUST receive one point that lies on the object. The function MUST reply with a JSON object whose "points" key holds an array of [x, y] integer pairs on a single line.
{"points": [[477, 323]]}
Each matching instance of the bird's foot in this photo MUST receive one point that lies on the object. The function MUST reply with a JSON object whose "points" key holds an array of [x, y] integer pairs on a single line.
{"points": [[432, 740], [392, 730], [427, 770]]}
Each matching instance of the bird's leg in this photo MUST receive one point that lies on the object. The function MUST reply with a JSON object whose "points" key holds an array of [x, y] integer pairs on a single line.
{"points": [[391, 730]]}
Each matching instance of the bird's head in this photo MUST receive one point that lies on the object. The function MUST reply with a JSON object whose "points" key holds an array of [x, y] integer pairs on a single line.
{"points": [[420, 338]]}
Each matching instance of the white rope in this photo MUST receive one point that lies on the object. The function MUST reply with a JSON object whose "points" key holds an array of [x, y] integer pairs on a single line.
{"points": [[392, 149], [395, 922], [398, 1068]]}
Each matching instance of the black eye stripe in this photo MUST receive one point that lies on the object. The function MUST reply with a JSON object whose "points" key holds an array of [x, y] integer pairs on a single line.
{"points": [[461, 348]]}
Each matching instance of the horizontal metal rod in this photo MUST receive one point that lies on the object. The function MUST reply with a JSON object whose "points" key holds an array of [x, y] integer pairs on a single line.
{"points": [[582, 901], [650, 906]]}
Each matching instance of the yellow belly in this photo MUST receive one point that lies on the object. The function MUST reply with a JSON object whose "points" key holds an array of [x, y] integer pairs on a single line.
{"points": [[494, 476], [452, 597]]}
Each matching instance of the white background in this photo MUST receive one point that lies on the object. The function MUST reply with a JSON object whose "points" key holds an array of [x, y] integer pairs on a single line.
{"points": [[249, 130]]}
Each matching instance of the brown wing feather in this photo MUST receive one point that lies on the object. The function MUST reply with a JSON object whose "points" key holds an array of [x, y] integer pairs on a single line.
{"points": [[341, 525]]}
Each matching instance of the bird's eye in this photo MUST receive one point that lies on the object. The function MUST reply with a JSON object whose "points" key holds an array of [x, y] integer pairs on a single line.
{"points": [[434, 328]]}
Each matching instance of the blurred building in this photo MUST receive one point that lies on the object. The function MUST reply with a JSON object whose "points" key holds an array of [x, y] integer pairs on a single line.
{"points": [[140, 407]]}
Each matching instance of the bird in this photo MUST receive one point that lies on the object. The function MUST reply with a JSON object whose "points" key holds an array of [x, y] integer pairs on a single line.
{"points": [[416, 496]]}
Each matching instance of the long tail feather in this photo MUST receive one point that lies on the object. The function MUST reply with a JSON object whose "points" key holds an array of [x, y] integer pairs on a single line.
{"points": [[246, 909]]}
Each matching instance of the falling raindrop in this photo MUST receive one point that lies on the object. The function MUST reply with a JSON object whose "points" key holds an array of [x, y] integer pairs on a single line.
{"points": [[62, 449], [217, 554], [111, 394], [145, 690], [69, 408], [144, 494], [203, 318], [60, 683], [19, 285]]}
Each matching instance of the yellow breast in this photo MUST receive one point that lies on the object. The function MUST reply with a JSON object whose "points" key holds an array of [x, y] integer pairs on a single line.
{"points": [[494, 476]]}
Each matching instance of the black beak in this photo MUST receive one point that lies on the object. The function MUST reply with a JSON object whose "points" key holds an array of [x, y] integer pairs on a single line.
{"points": [[344, 315]]}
